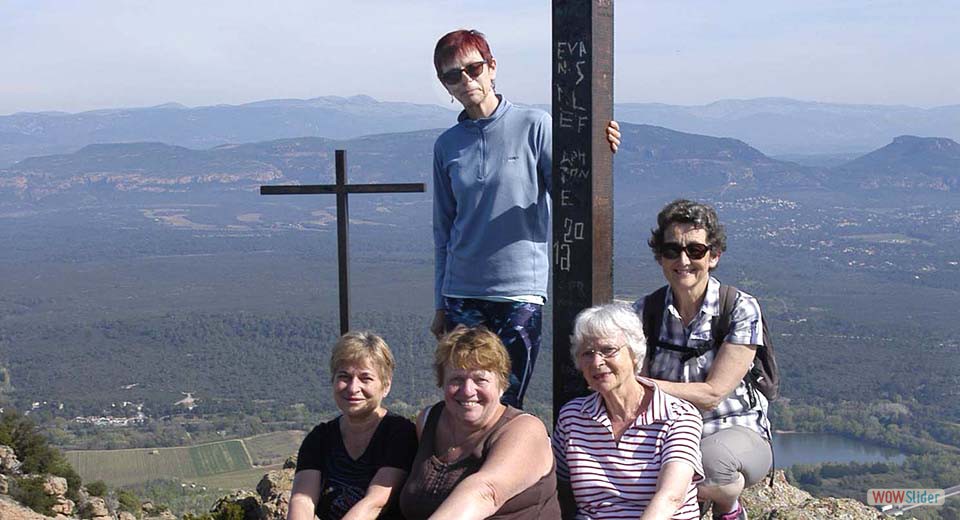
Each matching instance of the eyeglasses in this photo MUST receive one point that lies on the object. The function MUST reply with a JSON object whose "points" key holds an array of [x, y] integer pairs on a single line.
{"points": [[604, 352], [452, 77], [695, 251]]}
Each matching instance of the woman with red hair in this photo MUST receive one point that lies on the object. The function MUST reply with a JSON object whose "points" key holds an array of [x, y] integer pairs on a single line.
{"points": [[491, 213]]}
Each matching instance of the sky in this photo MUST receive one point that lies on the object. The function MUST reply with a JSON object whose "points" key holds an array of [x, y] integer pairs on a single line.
{"points": [[76, 56]]}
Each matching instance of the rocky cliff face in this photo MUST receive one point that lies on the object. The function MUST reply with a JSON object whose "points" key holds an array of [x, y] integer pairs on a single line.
{"points": [[785, 502]]}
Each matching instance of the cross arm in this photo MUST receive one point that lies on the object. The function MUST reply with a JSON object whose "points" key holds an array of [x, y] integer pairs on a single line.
{"points": [[311, 189]]}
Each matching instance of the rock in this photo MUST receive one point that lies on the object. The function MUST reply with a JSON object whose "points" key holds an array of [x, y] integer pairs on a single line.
{"points": [[275, 483], [55, 486], [249, 502], [10, 510], [4, 485], [126, 515], [785, 502], [163, 515], [9, 464], [274, 489], [147, 507], [290, 463], [64, 507], [94, 508]]}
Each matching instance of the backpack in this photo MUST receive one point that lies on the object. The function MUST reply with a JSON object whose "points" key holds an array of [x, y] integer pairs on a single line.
{"points": [[763, 376]]}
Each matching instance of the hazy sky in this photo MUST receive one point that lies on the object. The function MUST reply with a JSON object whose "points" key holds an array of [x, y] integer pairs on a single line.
{"points": [[73, 56]]}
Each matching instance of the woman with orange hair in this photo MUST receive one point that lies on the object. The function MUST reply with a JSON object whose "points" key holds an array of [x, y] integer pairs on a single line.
{"points": [[478, 458]]}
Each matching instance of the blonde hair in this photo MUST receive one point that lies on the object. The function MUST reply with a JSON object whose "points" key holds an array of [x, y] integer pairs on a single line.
{"points": [[472, 348], [363, 346]]}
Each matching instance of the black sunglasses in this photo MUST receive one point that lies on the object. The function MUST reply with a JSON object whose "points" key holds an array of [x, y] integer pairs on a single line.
{"points": [[695, 251], [452, 77]]}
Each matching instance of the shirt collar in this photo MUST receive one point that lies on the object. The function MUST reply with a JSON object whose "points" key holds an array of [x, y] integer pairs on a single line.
{"points": [[711, 301], [658, 411], [501, 109]]}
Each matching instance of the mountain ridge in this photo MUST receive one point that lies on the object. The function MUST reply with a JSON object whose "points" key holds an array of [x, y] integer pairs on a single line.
{"points": [[774, 125], [650, 157]]}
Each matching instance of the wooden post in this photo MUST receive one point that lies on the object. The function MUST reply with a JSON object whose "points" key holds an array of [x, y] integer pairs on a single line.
{"points": [[582, 175]]}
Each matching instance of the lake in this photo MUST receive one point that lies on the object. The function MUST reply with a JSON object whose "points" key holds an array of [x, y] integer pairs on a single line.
{"points": [[812, 448]]}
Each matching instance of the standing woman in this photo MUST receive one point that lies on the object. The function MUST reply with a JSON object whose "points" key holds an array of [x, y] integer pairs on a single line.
{"points": [[353, 467], [491, 208]]}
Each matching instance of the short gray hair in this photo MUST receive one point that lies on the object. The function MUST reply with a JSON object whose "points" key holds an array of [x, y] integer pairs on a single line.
{"points": [[607, 320]]}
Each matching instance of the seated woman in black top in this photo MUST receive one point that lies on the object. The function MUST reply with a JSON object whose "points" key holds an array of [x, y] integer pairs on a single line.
{"points": [[354, 466]]}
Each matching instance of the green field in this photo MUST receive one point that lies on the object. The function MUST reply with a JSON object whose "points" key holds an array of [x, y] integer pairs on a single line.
{"points": [[232, 464], [274, 447], [123, 467]]}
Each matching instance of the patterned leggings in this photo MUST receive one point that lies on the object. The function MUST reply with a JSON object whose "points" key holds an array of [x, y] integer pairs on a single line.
{"points": [[517, 324]]}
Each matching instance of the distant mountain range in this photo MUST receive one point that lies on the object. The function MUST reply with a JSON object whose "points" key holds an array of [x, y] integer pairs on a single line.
{"points": [[781, 126], [652, 161], [777, 126], [33, 134]]}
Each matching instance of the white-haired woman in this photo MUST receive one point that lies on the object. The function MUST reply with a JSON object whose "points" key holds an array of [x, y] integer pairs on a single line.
{"points": [[628, 450]]}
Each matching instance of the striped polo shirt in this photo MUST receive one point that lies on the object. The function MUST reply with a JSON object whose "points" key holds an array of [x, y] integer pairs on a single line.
{"points": [[612, 479]]}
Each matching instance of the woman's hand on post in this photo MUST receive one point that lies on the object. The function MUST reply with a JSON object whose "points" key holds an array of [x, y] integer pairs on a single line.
{"points": [[613, 136], [437, 326]]}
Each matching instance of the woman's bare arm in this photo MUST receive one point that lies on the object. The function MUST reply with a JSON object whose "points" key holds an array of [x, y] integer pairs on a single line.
{"points": [[672, 486], [728, 369], [304, 495], [517, 459], [383, 489]]}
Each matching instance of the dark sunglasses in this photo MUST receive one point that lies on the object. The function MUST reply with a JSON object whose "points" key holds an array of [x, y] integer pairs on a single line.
{"points": [[452, 77], [695, 251]]}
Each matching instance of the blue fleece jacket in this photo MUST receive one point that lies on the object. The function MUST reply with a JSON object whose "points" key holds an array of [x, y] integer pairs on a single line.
{"points": [[491, 211]]}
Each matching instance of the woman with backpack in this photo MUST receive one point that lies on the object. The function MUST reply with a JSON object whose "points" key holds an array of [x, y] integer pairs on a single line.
{"points": [[697, 354]]}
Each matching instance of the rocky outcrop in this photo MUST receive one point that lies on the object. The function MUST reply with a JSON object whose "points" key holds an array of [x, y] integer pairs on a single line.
{"points": [[11, 510], [785, 502], [95, 508], [274, 490], [56, 487], [249, 502], [9, 464], [272, 499]]}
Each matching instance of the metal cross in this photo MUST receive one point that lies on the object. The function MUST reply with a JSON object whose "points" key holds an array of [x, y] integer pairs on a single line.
{"points": [[341, 189], [582, 176]]}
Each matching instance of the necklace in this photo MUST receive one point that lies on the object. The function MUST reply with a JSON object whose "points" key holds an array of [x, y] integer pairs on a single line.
{"points": [[466, 441]]}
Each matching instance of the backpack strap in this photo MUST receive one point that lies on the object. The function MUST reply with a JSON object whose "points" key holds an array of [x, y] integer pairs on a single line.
{"points": [[686, 353], [653, 307], [720, 325]]}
